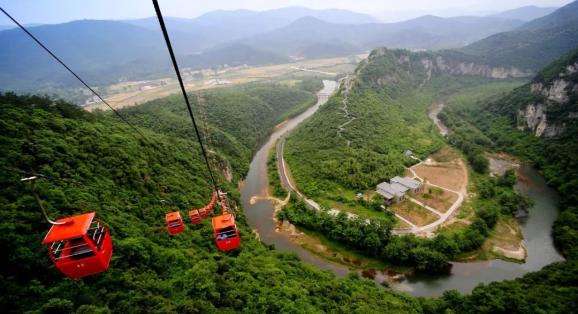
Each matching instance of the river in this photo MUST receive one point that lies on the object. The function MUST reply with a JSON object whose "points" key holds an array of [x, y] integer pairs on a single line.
{"points": [[260, 214], [536, 228], [464, 276]]}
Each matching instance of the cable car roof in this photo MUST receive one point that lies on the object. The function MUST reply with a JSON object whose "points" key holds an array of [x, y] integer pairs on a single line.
{"points": [[72, 227], [223, 221], [173, 216]]}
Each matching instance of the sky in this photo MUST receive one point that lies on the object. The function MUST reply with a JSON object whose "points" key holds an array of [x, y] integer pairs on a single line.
{"points": [[58, 11]]}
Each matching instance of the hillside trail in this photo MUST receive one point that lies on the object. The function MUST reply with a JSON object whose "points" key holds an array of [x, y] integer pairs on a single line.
{"points": [[347, 81]]}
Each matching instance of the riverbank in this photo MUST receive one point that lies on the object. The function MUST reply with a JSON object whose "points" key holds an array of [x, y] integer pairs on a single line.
{"points": [[464, 276]]}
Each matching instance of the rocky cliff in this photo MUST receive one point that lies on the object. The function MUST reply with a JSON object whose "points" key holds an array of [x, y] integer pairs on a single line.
{"points": [[552, 101], [451, 63]]}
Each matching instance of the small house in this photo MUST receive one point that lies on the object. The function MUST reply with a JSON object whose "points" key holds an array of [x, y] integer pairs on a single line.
{"points": [[391, 193], [411, 184]]}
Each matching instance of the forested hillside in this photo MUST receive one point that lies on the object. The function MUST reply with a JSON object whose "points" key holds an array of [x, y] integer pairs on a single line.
{"points": [[236, 119], [358, 138], [533, 45], [397, 84], [537, 122], [93, 162]]}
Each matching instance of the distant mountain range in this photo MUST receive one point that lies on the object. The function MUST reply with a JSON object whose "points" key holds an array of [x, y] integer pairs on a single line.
{"points": [[534, 44], [221, 26], [5, 27], [526, 13], [110, 51], [327, 39]]}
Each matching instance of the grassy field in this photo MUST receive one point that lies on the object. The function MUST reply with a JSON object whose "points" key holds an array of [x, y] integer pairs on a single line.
{"points": [[418, 215], [439, 199]]}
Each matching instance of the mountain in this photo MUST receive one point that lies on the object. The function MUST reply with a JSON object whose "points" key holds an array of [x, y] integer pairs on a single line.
{"points": [[538, 122], [234, 54], [283, 16], [94, 48], [534, 44], [11, 26], [312, 37], [548, 106], [105, 52], [526, 13], [566, 15], [222, 26]]}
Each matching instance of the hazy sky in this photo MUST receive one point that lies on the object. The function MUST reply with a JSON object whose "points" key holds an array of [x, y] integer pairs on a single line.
{"points": [[55, 11]]}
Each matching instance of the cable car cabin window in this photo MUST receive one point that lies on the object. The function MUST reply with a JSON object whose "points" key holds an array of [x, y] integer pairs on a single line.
{"points": [[96, 233], [226, 233], [76, 248], [174, 223]]}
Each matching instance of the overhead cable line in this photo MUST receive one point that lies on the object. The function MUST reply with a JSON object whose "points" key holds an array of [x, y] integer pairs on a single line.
{"points": [[182, 85], [72, 72]]}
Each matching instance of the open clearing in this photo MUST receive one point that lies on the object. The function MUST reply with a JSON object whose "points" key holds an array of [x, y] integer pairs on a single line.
{"points": [[416, 214], [451, 175], [505, 242], [440, 200]]}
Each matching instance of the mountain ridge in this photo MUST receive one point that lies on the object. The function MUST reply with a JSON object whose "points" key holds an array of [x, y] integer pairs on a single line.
{"points": [[532, 45]]}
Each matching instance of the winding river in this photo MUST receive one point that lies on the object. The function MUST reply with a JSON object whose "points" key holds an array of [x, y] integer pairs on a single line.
{"points": [[464, 276]]}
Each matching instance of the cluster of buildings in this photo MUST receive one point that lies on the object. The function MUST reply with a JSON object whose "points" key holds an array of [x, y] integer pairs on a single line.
{"points": [[394, 191]]}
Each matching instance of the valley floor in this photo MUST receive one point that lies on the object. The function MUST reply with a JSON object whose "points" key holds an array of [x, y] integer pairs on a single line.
{"points": [[128, 94]]}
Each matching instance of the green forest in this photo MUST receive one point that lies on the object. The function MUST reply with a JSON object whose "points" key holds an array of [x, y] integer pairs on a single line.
{"points": [[389, 101], [476, 128], [491, 122], [95, 163]]}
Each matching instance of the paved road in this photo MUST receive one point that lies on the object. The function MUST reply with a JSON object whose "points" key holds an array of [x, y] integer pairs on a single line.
{"points": [[284, 176]]}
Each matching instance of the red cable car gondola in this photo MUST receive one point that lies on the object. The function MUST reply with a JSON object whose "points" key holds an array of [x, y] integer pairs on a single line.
{"points": [[225, 230], [197, 215], [79, 245], [175, 224], [226, 233]]}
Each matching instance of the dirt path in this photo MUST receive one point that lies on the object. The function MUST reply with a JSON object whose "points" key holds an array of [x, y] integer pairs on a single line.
{"points": [[346, 87], [428, 230], [462, 193], [433, 113]]}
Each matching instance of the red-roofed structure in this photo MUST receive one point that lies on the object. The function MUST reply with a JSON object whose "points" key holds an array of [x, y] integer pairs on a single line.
{"points": [[79, 245]]}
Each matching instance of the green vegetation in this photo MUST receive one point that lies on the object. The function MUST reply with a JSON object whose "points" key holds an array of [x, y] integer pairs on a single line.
{"points": [[93, 162], [389, 100], [531, 46], [238, 119], [489, 120], [492, 122], [97, 163], [550, 290], [386, 123], [496, 197], [273, 175]]}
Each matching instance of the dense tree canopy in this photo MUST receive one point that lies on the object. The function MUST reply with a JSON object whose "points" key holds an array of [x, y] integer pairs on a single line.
{"points": [[96, 163]]}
